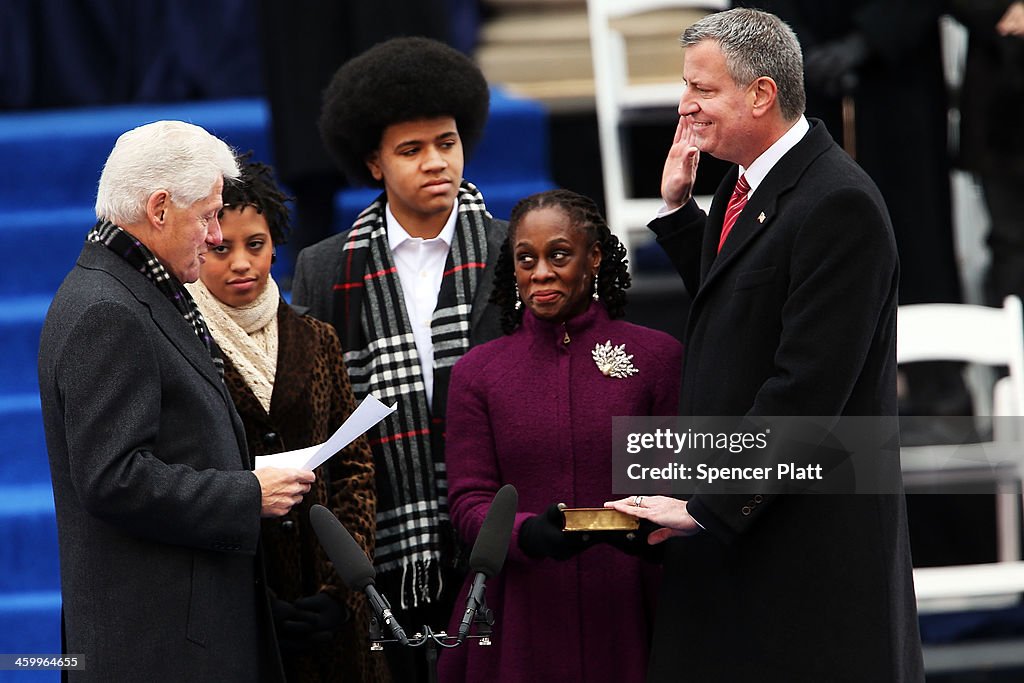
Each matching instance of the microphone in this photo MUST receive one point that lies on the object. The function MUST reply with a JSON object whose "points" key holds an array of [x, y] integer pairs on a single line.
{"points": [[489, 550], [352, 565]]}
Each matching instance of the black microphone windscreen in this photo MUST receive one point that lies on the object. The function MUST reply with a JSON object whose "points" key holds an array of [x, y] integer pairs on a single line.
{"points": [[349, 560], [492, 543]]}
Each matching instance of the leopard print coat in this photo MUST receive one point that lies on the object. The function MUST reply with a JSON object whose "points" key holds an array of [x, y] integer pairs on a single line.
{"points": [[311, 398]]}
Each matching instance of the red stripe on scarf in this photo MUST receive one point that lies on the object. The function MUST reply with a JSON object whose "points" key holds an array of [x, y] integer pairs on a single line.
{"points": [[380, 273], [348, 270], [396, 437], [368, 276], [464, 266]]}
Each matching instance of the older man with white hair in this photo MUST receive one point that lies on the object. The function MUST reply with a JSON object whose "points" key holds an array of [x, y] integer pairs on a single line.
{"points": [[158, 508]]}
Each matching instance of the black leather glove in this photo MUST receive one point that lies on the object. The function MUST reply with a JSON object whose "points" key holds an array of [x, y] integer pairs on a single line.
{"points": [[307, 622], [635, 542], [323, 611], [832, 67], [542, 536]]}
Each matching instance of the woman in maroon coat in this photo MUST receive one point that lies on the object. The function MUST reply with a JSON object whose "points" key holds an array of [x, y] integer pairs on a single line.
{"points": [[534, 409]]}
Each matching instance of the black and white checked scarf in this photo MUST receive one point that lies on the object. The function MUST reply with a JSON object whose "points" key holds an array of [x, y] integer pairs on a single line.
{"points": [[414, 534], [139, 257]]}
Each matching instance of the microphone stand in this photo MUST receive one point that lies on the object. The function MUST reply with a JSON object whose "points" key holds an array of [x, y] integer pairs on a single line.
{"points": [[433, 641]]}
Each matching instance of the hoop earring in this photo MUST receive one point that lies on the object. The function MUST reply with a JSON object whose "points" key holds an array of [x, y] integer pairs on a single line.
{"points": [[595, 295], [519, 302]]}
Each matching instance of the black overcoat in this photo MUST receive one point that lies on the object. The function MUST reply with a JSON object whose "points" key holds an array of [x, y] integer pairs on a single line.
{"points": [[158, 513], [796, 316]]}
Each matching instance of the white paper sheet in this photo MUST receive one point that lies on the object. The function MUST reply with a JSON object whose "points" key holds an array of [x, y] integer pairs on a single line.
{"points": [[369, 412]]}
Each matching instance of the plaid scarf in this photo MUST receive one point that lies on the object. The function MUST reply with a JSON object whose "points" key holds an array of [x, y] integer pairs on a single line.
{"points": [[139, 257], [414, 533]]}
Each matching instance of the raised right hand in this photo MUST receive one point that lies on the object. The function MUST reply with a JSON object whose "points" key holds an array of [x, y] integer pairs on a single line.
{"points": [[680, 170], [281, 488]]}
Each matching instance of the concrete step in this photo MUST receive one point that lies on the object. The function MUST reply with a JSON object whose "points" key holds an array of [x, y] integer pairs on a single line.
{"points": [[30, 625], [28, 539], [542, 50], [514, 146], [54, 237], [41, 246], [499, 197], [21, 321], [24, 458], [44, 245], [54, 158]]}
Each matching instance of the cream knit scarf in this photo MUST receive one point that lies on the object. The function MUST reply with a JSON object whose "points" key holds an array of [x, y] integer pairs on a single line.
{"points": [[247, 334]]}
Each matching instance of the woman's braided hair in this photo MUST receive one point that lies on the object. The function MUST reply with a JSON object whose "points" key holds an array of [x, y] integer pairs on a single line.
{"points": [[613, 273]]}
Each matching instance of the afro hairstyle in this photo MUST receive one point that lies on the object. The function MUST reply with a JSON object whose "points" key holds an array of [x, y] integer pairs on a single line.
{"points": [[399, 80]]}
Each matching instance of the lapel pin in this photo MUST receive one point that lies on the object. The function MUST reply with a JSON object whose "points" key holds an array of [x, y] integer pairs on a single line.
{"points": [[760, 219]]}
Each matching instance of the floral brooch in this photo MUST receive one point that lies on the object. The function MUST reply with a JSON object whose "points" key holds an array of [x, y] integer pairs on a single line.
{"points": [[613, 361]]}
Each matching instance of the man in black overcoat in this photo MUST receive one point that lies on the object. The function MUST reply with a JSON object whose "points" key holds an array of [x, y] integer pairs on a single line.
{"points": [[793, 314]]}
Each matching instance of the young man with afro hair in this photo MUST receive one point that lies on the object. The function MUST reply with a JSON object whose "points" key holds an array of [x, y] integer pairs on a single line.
{"points": [[407, 288]]}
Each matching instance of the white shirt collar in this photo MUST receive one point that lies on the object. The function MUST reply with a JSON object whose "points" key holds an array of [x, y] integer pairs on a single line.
{"points": [[397, 235], [763, 164]]}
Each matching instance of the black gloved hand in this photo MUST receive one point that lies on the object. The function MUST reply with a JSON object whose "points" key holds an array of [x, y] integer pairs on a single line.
{"points": [[832, 67], [307, 622], [291, 629], [323, 611], [542, 536], [635, 542]]}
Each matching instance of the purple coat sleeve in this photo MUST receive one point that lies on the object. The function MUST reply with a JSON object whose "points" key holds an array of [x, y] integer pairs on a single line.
{"points": [[473, 473]]}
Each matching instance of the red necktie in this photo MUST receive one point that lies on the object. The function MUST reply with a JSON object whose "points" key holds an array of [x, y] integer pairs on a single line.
{"points": [[736, 204]]}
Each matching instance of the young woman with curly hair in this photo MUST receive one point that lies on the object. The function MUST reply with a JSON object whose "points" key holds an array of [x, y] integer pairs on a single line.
{"points": [[285, 374]]}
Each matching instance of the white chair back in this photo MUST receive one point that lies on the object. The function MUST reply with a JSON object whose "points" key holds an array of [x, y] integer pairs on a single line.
{"points": [[994, 337]]}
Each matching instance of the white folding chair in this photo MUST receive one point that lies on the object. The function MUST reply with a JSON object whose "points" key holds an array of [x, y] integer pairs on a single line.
{"points": [[992, 337], [617, 96], [973, 334]]}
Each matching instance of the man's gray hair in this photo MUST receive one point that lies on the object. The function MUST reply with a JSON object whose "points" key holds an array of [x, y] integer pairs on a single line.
{"points": [[181, 158], [756, 44]]}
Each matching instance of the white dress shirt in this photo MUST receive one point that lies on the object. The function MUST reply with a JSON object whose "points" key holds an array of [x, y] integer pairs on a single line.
{"points": [[420, 264], [762, 165]]}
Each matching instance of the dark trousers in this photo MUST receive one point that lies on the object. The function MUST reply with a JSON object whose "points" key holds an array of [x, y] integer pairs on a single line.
{"points": [[1005, 203]]}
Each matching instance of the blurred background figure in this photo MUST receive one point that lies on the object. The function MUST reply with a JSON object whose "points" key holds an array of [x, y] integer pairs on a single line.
{"points": [[991, 135], [873, 72], [286, 377]]}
